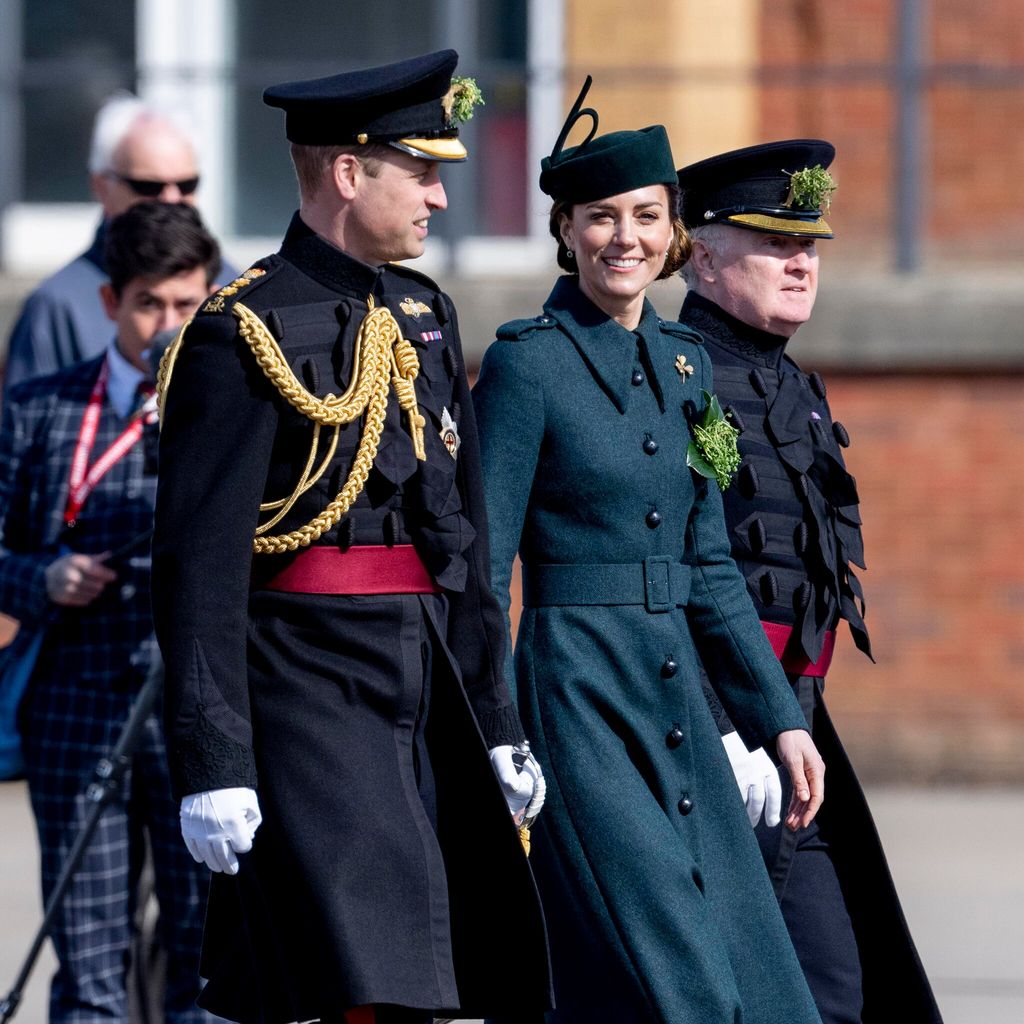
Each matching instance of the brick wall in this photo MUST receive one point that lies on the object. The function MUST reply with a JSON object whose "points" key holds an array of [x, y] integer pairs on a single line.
{"points": [[829, 72], [938, 463]]}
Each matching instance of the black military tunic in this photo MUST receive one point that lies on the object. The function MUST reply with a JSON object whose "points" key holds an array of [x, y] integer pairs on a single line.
{"points": [[386, 869], [794, 525]]}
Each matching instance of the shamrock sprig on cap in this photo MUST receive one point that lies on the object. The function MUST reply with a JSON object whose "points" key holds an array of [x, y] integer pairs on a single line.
{"points": [[810, 189], [460, 100]]}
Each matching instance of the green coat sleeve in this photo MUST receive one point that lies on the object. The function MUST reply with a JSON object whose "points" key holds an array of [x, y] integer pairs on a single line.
{"points": [[509, 404], [739, 660]]}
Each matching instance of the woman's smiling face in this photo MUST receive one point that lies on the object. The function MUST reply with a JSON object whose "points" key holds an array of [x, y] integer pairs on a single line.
{"points": [[620, 244]]}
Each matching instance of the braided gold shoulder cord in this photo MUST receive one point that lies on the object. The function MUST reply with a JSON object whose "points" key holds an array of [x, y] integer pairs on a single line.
{"points": [[380, 352]]}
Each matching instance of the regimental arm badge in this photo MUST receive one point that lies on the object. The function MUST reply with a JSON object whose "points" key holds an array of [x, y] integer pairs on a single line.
{"points": [[450, 433]]}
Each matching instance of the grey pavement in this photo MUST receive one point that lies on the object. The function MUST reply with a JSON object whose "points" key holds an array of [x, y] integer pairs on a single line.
{"points": [[957, 856]]}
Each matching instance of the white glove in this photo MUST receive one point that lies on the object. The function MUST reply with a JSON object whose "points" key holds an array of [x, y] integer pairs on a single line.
{"points": [[524, 788], [757, 778], [218, 824]]}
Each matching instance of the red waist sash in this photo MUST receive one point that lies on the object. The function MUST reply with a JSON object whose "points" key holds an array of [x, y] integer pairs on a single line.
{"points": [[794, 661], [365, 569]]}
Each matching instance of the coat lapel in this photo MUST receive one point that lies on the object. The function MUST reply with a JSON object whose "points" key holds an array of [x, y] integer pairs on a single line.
{"points": [[608, 349]]}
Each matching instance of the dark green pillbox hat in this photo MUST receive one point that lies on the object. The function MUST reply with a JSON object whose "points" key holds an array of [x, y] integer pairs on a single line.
{"points": [[608, 165]]}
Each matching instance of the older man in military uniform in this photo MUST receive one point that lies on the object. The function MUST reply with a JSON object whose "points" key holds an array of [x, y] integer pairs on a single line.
{"points": [[755, 216], [333, 650]]}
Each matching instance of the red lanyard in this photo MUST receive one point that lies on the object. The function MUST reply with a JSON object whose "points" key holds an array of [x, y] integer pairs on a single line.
{"points": [[82, 483]]}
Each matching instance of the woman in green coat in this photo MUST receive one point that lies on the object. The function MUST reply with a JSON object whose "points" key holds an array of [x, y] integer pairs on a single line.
{"points": [[657, 902]]}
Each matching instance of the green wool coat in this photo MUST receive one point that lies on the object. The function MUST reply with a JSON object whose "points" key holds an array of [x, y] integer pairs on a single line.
{"points": [[657, 901]]}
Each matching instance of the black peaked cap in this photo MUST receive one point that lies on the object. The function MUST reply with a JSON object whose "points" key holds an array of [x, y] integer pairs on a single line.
{"points": [[750, 188], [387, 104]]}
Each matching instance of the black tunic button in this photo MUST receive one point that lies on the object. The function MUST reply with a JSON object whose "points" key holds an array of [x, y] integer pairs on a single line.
{"points": [[670, 667], [675, 737], [748, 480], [758, 384], [735, 419], [769, 587], [653, 518], [802, 596], [650, 446], [637, 379], [685, 804], [758, 536], [842, 436], [817, 384], [800, 538]]}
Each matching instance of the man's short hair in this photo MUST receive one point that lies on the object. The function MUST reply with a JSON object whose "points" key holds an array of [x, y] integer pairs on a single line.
{"points": [[313, 162], [158, 240], [712, 235], [116, 118]]}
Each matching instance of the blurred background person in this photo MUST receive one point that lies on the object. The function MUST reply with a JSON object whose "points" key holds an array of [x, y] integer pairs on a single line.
{"points": [[138, 152], [78, 483]]}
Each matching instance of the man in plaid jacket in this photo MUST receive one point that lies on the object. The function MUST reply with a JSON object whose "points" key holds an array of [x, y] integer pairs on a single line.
{"points": [[77, 487]]}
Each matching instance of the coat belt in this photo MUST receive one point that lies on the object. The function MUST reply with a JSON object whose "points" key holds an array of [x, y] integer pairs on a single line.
{"points": [[364, 569], [658, 583]]}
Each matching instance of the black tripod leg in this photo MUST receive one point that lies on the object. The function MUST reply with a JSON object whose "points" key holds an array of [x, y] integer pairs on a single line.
{"points": [[106, 784]]}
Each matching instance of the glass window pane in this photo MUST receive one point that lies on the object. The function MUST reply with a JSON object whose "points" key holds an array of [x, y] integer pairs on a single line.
{"points": [[75, 56], [307, 39]]}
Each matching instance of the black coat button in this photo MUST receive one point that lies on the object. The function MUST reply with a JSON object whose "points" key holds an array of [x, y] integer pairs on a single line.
{"points": [[841, 433], [758, 536], [802, 596], [685, 804], [653, 518], [817, 384], [734, 418], [670, 667], [650, 446], [800, 538], [748, 480], [637, 379], [757, 382], [769, 587], [801, 485], [674, 738]]}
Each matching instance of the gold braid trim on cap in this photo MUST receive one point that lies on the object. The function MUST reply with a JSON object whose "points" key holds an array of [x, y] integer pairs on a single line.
{"points": [[383, 358]]}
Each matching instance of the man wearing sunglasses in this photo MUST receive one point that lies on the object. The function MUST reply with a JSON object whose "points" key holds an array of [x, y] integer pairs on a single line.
{"points": [[137, 153]]}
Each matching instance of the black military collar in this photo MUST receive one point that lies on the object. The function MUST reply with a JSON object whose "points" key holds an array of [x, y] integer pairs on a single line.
{"points": [[724, 330], [609, 349], [326, 263]]}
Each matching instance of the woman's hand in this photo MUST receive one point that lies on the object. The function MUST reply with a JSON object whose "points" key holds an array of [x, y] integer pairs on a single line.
{"points": [[807, 770]]}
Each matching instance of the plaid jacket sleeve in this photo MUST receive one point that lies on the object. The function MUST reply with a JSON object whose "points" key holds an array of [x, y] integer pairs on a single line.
{"points": [[22, 564]]}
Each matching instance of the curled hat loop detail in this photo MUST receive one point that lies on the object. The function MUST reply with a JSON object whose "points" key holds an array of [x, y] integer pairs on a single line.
{"points": [[578, 111]]}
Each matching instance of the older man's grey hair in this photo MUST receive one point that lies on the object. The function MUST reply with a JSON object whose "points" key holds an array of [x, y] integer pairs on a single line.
{"points": [[116, 118], [715, 237]]}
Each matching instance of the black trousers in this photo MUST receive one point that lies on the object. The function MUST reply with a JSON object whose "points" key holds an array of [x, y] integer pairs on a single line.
{"points": [[803, 873]]}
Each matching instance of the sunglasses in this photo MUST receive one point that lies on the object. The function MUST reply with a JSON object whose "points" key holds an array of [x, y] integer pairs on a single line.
{"points": [[151, 189]]}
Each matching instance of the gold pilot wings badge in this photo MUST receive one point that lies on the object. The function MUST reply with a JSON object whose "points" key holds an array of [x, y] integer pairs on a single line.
{"points": [[450, 433], [413, 308]]}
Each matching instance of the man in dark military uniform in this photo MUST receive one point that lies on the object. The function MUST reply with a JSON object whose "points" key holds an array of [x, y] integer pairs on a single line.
{"points": [[755, 216], [333, 649]]}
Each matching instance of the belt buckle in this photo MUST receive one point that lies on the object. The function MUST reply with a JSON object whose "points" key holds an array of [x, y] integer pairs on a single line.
{"points": [[658, 583]]}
